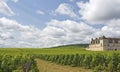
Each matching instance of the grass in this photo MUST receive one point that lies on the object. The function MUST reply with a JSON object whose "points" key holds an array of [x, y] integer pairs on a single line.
{"points": [[45, 66], [67, 49]]}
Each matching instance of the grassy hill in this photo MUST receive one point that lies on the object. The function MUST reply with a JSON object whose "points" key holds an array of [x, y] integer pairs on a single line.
{"points": [[66, 49], [72, 46]]}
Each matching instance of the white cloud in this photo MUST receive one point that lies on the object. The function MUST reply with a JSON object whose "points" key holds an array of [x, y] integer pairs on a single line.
{"points": [[40, 12], [14, 34], [53, 31], [65, 9], [112, 28], [4, 8], [73, 32], [6, 35], [15, 1], [99, 11]]}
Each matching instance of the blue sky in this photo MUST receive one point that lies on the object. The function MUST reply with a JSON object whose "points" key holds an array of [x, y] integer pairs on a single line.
{"points": [[47, 23], [26, 11]]}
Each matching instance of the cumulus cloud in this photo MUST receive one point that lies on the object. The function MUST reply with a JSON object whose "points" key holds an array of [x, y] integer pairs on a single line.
{"points": [[14, 34], [65, 9], [74, 32], [40, 12], [6, 35], [99, 11], [112, 28], [5, 9], [54, 31]]}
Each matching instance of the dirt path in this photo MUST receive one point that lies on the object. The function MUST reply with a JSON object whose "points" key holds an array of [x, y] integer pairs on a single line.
{"points": [[45, 66]]}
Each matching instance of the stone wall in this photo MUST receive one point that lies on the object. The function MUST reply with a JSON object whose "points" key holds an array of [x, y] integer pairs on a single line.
{"points": [[103, 43], [95, 47]]}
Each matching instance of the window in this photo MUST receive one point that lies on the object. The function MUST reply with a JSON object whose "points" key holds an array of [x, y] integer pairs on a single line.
{"points": [[110, 41], [116, 41], [101, 44], [98, 41]]}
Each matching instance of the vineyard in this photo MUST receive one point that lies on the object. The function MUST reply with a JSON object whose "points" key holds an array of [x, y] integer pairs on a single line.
{"points": [[17, 63], [23, 59], [97, 62]]}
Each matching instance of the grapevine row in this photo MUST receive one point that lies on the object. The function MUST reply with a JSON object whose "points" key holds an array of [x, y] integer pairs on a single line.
{"points": [[97, 62], [17, 63]]}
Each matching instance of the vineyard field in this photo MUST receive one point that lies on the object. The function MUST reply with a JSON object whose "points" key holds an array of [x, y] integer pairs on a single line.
{"points": [[23, 59], [70, 49]]}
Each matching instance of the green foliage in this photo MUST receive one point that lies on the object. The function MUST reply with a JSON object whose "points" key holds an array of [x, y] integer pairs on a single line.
{"points": [[87, 61], [98, 62], [12, 63], [21, 59]]}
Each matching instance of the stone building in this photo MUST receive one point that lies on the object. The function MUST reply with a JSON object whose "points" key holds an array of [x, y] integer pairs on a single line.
{"points": [[104, 43]]}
